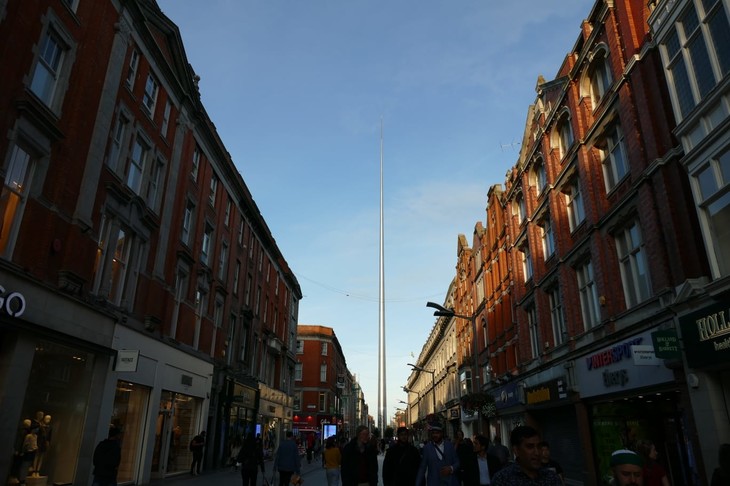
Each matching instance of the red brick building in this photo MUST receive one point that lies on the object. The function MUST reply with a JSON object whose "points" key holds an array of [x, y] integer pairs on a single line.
{"points": [[144, 288], [583, 258], [325, 391]]}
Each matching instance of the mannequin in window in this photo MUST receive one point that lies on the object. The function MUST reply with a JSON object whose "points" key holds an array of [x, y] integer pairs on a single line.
{"points": [[44, 441], [28, 452]]}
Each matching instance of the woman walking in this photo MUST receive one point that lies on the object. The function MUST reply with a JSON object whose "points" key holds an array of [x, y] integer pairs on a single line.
{"points": [[332, 460]]}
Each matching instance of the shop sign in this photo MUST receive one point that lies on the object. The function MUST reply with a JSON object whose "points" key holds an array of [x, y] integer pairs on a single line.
{"points": [[506, 396], [549, 391], [623, 366], [706, 335], [666, 344], [127, 360], [13, 304], [644, 355], [454, 413]]}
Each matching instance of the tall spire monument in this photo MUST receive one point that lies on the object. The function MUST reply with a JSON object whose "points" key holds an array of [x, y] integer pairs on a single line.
{"points": [[381, 308]]}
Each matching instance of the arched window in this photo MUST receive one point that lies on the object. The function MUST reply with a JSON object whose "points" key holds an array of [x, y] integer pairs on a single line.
{"points": [[598, 79], [564, 134]]}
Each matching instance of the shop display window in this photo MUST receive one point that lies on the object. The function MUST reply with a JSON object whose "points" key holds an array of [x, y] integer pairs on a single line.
{"points": [[54, 410], [174, 430], [130, 405]]}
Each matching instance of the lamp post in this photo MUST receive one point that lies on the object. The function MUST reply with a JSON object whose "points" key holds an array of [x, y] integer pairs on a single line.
{"points": [[433, 382], [442, 311]]}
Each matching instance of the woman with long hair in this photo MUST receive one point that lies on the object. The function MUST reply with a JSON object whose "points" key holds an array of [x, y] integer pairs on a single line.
{"points": [[654, 473], [332, 460]]}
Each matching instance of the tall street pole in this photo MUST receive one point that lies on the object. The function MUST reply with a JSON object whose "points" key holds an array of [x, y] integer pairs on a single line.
{"points": [[381, 314]]}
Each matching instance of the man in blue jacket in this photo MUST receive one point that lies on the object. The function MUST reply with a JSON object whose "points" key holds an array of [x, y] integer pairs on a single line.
{"points": [[287, 460], [439, 462]]}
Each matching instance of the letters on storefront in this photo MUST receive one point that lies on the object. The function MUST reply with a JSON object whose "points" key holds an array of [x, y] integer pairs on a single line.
{"points": [[706, 335], [13, 304], [549, 391]]}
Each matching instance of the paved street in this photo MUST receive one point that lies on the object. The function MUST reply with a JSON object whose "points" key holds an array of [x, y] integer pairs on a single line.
{"points": [[313, 475]]}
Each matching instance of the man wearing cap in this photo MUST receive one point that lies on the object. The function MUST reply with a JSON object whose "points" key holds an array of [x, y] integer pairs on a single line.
{"points": [[401, 462], [627, 468], [439, 461]]}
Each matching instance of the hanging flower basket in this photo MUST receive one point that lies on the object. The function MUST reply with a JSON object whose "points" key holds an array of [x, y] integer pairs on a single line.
{"points": [[479, 402]]}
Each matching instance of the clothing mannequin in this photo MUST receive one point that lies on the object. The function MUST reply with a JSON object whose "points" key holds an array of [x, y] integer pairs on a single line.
{"points": [[44, 441], [29, 450]]}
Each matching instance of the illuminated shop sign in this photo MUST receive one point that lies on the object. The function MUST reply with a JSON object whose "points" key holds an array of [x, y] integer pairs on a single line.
{"points": [[612, 355], [549, 391], [13, 304]]}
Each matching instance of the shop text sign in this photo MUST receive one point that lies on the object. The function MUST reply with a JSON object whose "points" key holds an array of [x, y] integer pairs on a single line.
{"points": [[625, 365], [549, 391], [706, 335], [666, 344], [13, 304]]}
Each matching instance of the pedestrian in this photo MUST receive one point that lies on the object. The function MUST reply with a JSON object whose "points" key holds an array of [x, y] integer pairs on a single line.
{"points": [[235, 448], [627, 468], [251, 458], [527, 468], [467, 472], [653, 472], [331, 461], [310, 447], [286, 460], [487, 464], [548, 462], [360, 460], [721, 475], [401, 462], [107, 456], [499, 450], [439, 461], [196, 447]]}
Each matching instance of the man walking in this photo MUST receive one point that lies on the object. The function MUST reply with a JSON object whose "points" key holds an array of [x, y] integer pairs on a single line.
{"points": [[401, 462], [287, 460], [439, 462], [107, 456], [360, 460], [627, 468]]}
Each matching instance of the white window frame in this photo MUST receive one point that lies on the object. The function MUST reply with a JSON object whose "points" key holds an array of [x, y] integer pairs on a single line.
{"points": [[574, 204], [223, 261], [548, 237], [588, 294], [324, 349], [633, 264], [684, 51], [154, 183], [117, 145], [206, 245], [600, 78], [565, 135], [137, 163], [323, 372], [532, 325], [557, 317], [132, 68], [711, 185], [613, 157], [187, 225], [213, 189], [298, 371], [526, 261], [165, 119], [195, 169], [151, 91], [539, 176], [49, 67]]}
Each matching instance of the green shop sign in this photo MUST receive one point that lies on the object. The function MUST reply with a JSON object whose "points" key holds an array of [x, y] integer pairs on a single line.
{"points": [[666, 344]]}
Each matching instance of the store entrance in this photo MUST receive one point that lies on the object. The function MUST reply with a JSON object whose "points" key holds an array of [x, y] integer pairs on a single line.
{"points": [[163, 433]]}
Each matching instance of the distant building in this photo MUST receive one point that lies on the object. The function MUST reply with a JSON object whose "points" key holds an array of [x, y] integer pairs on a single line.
{"points": [[326, 394]]}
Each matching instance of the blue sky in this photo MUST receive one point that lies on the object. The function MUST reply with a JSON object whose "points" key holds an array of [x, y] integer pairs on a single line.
{"points": [[297, 91]]}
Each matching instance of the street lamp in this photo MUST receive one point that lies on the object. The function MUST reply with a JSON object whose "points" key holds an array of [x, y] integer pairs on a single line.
{"points": [[442, 311], [433, 382]]}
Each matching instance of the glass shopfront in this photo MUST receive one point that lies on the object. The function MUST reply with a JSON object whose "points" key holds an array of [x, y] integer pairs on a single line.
{"points": [[54, 409], [175, 428], [130, 405]]}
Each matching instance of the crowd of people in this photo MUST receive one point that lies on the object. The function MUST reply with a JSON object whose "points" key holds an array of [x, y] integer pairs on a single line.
{"points": [[439, 461]]}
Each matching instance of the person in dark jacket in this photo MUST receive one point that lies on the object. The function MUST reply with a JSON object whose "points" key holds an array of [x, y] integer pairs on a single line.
{"points": [[487, 464], [401, 462], [360, 460], [196, 447], [107, 456], [287, 461], [251, 457]]}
